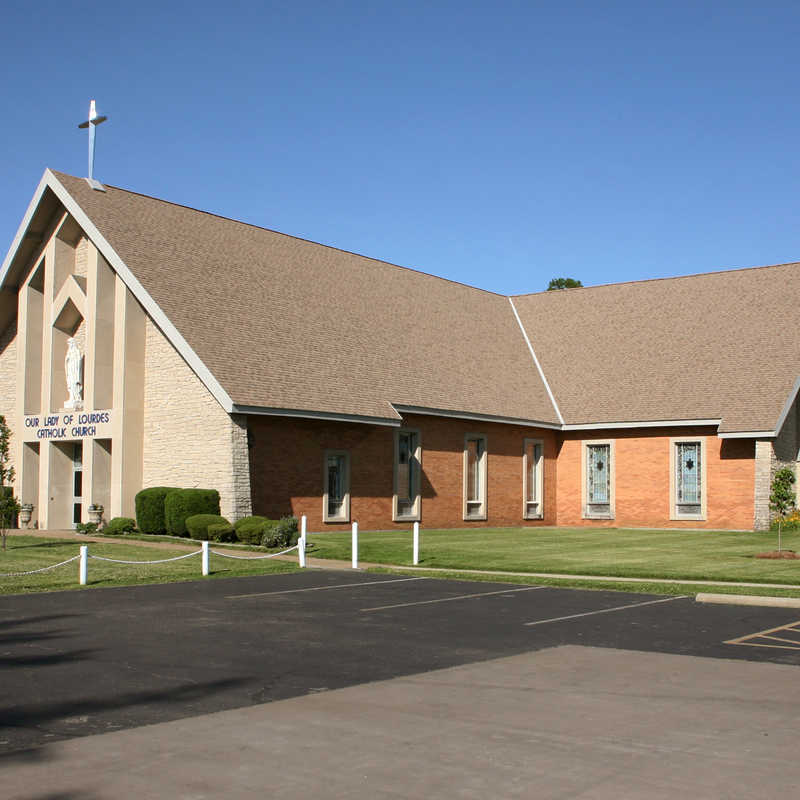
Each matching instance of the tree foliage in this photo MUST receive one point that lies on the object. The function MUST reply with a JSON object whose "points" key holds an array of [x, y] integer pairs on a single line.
{"points": [[782, 497], [563, 283]]}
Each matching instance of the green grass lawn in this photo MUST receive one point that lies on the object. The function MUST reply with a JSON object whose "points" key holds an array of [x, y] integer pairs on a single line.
{"points": [[27, 553], [687, 555]]}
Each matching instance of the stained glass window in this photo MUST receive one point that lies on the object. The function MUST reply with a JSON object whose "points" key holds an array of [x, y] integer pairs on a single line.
{"points": [[533, 478], [475, 465], [336, 485], [688, 477], [407, 472], [598, 482]]}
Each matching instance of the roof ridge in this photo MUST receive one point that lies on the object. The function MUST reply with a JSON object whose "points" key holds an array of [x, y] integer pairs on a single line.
{"points": [[290, 236], [668, 278]]}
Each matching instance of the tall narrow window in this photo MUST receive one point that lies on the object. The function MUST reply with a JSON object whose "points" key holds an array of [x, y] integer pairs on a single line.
{"points": [[474, 477], [598, 480], [336, 477], [77, 482], [688, 478], [532, 468], [407, 472]]}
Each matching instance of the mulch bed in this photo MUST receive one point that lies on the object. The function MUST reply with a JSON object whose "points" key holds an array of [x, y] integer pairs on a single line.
{"points": [[778, 554]]}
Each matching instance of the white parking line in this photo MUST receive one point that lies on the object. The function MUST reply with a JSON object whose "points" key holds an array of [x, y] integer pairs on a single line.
{"points": [[450, 599], [323, 588], [607, 610]]}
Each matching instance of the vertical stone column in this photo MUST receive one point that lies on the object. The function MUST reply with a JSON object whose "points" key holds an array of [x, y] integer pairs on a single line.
{"points": [[764, 465], [241, 502], [128, 402]]}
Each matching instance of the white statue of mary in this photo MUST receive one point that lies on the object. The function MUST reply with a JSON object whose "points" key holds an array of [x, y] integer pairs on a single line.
{"points": [[73, 366]]}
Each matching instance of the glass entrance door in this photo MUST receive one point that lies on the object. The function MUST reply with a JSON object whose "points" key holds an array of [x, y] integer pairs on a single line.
{"points": [[77, 483]]}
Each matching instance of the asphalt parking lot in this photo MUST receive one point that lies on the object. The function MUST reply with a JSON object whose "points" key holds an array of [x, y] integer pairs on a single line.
{"points": [[89, 662]]}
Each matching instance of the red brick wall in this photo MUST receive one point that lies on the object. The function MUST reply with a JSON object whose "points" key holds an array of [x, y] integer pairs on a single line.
{"points": [[286, 470], [642, 479], [287, 475]]}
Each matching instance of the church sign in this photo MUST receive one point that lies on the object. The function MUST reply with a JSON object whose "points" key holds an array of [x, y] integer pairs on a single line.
{"points": [[67, 425]]}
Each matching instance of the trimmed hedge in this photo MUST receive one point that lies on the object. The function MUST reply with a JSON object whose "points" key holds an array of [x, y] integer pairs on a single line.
{"points": [[182, 503], [251, 529], [222, 533], [198, 525], [119, 525], [149, 503], [282, 533]]}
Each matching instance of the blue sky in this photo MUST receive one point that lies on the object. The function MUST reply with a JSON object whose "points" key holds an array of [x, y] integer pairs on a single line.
{"points": [[499, 144]]}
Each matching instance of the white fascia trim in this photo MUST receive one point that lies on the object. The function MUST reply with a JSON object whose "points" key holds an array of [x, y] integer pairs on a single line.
{"points": [[323, 415], [787, 407], [437, 412], [536, 361], [748, 435], [23, 226], [663, 423], [138, 291]]}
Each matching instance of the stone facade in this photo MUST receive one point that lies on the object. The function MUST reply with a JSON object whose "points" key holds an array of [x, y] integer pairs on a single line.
{"points": [[189, 439], [772, 455], [763, 479]]}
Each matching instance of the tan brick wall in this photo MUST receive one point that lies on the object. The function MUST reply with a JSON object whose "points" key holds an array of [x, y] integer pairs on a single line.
{"points": [[8, 382], [642, 471], [81, 256], [772, 455], [189, 439], [287, 470]]}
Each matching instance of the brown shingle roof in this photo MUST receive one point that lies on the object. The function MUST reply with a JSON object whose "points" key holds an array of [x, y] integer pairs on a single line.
{"points": [[718, 345], [286, 323]]}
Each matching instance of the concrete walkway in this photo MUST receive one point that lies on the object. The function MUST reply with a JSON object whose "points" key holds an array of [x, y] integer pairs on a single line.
{"points": [[569, 721]]}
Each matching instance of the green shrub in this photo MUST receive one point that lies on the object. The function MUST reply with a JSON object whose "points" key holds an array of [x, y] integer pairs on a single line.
{"points": [[150, 509], [251, 529], [198, 525], [282, 533], [182, 503], [86, 528], [120, 525], [222, 533]]}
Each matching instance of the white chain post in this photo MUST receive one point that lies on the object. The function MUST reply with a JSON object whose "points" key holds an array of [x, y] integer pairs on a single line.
{"points": [[355, 545], [205, 558], [83, 565], [416, 543], [301, 545]]}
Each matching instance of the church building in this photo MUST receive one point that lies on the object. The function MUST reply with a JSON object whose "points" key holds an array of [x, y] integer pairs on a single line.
{"points": [[144, 343]]}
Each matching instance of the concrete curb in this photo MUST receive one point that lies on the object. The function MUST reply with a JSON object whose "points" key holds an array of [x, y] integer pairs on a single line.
{"points": [[749, 600]]}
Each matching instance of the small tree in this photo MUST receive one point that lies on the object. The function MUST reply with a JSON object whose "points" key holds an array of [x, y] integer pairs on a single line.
{"points": [[563, 283], [782, 498], [8, 503]]}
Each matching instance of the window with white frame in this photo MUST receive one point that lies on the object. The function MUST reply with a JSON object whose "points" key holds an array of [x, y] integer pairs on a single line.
{"points": [[475, 476], [336, 482], [598, 480], [688, 478], [407, 473], [532, 479]]}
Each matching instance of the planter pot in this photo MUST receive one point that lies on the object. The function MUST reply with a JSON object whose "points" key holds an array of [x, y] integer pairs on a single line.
{"points": [[25, 512], [95, 514]]}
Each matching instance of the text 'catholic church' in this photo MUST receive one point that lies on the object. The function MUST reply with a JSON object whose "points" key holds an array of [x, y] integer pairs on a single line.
{"points": [[149, 344]]}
